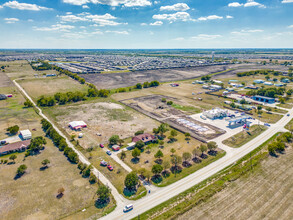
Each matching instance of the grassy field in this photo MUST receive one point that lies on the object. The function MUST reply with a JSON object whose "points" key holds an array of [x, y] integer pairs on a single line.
{"points": [[268, 186], [12, 112], [49, 86], [244, 136], [267, 117], [180, 146], [288, 106], [22, 69], [33, 196]]}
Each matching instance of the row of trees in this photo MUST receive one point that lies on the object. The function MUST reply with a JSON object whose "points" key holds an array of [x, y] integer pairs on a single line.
{"points": [[59, 141], [268, 92], [70, 74], [256, 72], [278, 146], [147, 84]]}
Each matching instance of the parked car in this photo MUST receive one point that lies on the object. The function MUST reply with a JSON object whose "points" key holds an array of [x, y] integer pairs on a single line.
{"points": [[267, 124], [128, 208], [109, 152], [103, 163], [288, 115], [2, 142], [110, 167], [101, 146]]}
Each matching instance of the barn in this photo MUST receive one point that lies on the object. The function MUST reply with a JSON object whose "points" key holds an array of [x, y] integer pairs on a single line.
{"points": [[76, 125]]}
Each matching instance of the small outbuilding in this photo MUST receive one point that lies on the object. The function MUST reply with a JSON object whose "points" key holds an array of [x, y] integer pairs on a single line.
{"points": [[3, 97], [76, 125], [26, 134]]}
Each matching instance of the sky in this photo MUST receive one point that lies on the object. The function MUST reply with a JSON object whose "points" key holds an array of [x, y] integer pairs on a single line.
{"points": [[146, 24]]}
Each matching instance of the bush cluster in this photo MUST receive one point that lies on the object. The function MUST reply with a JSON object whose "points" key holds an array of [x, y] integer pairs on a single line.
{"points": [[59, 141], [279, 144], [147, 84], [44, 65], [268, 92]]}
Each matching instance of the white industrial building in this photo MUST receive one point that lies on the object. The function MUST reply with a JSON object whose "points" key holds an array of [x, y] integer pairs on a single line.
{"points": [[26, 134], [215, 113]]}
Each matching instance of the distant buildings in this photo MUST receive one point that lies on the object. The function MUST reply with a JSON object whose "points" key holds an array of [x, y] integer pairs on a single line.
{"points": [[215, 113], [258, 81]]}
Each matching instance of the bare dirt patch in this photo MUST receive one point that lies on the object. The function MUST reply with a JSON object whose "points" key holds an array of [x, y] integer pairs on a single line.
{"points": [[4, 80]]}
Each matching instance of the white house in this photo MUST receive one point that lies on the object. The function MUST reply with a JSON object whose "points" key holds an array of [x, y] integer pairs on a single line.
{"points": [[26, 134]]}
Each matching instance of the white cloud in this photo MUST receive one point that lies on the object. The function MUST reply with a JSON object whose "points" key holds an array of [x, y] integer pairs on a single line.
{"points": [[291, 26], [24, 6], [235, 4], [175, 7], [72, 18], [85, 7], [249, 3], [30, 20], [183, 16], [55, 27], [11, 20], [103, 20], [118, 32], [205, 37], [156, 23], [210, 17], [179, 39], [126, 3], [229, 17], [247, 32], [143, 24], [252, 3], [287, 1]]}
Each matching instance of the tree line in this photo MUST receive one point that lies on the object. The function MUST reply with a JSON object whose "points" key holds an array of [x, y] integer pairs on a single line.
{"points": [[256, 72], [43, 65], [279, 145], [59, 141], [267, 92]]}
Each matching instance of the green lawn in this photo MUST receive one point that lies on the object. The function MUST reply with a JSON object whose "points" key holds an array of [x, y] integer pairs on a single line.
{"points": [[188, 109], [289, 106], [244, 136]]}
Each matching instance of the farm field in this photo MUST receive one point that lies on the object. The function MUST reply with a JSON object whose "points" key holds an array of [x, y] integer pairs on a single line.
{"points": [[266, 193], [50, 86], [244, 136]]}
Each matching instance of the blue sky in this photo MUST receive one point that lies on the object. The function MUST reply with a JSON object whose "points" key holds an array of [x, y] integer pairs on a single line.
{"points": [[115, 24]]}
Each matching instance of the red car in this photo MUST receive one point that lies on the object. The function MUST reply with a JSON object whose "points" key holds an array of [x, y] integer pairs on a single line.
{"points": [[102, 146], [110, 167]]}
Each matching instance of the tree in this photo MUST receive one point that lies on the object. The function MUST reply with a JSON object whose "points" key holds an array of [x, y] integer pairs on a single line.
{"points": [[148, 175], [13, 129], [103, 193], [123, 155], [120, 142], [139, 132], [148, 148], [87, 172], [196, 152], [172, 151], [212, 146], [92, 178], [28, 103], [159, 154], [139, 144], [203, 148], [138, 86], [13, 157], [61, 191], [73, 136], [157, 169], [166, 165], [186, 156], [114, 139], [163, 128], [131, 180], [136, 153], [45, 162], [187, 136], [169, 103], [175, 160], [21, 170], [173, 134], [146, 84], [142, 171], [259, 107], [164, 100]]}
